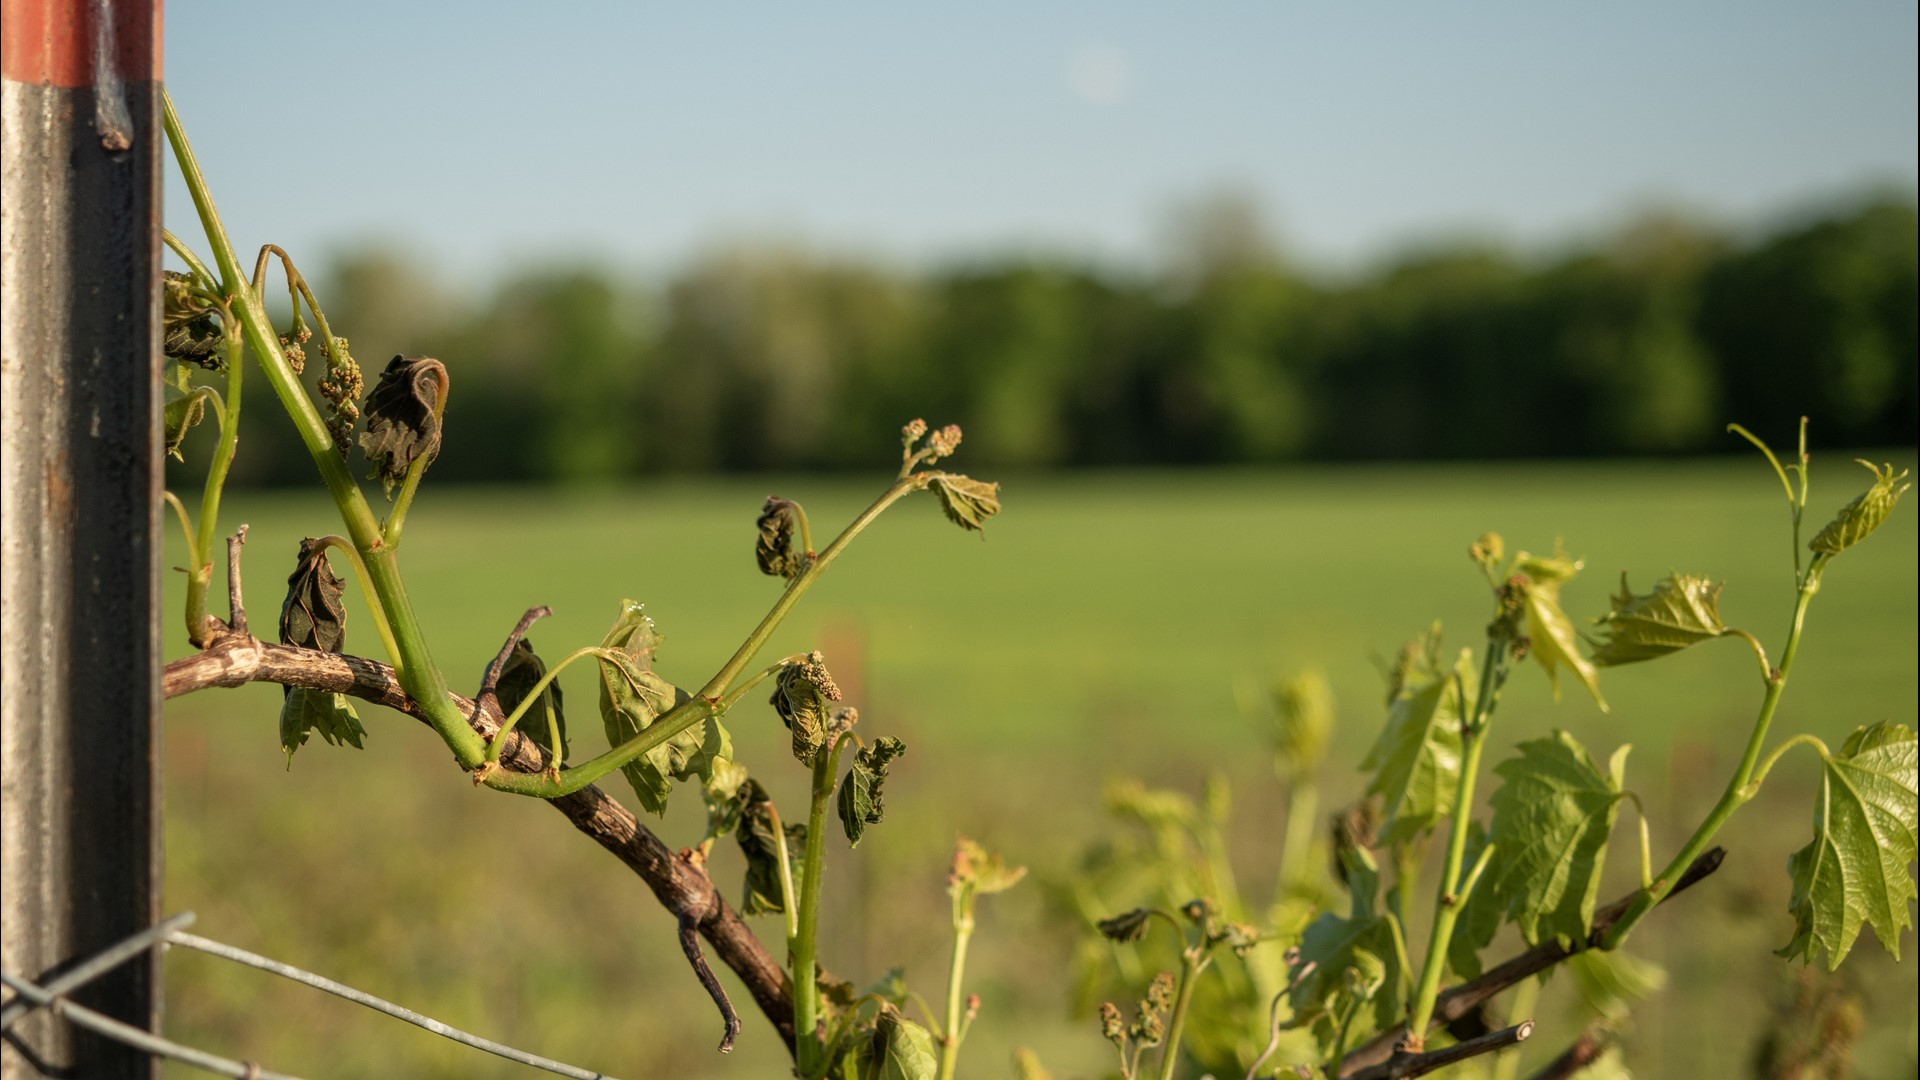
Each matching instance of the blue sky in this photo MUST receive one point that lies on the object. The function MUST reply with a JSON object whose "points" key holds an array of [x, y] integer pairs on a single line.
{"points": [[637, 134]]}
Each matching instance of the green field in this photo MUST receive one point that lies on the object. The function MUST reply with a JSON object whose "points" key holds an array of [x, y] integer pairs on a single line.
{"points": [[1101, 629]]}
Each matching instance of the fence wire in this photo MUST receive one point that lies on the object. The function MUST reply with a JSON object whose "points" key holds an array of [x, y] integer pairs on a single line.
{"points": [[51, 995]]}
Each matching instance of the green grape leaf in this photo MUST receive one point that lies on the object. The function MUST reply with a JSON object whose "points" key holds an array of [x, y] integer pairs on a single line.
{"points": [[180, 416], [721, 793], [1550, 633], [862, 798], [800, 695], [1480, 919], [898, 1049], [1857, 868], [314, 614], [402, 424], [1857, 520], [762, 850], [632, 697], [1335, 945], [304, 711], [1551, 820], [967, 502], [1416, 759], [1612, 983], [190, 329], [774, 550], [1682, 610], [981, 871], [524, 669]]}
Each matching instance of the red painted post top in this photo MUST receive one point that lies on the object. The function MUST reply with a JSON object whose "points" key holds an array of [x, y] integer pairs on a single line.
{"points": [[50, 42]]}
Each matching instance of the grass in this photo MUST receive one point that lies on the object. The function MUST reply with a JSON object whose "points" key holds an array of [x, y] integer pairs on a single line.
{"points": [[1108, 624]]}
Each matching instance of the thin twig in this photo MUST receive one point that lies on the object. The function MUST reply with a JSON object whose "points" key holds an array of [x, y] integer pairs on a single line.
{"points": [[136, 1038], [690, 944], [1457, 1001], [490, 681], [1403, 1065], [361, 997], [1585, 1051], [237, 660], [95, 966], [1273, 1013], [237, 609]]}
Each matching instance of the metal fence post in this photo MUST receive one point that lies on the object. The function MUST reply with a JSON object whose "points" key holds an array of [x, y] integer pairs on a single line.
{"points": [[79, 487]]}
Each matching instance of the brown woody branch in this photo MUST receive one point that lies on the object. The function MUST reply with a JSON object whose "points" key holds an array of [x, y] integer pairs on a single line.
{"points": [[681, 886], [1402, 1065], [1585, 1051], [1459, 1000]]}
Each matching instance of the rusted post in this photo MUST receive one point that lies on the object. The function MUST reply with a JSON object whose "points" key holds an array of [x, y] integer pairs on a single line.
{"points": [[79, 489]]}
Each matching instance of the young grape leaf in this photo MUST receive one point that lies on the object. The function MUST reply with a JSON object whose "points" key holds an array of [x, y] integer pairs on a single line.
{"points": [[190, 330], [1551, 820], [1550, 633], [180, 416], [632, 697], [304, 711], [1682, 610], [402, 425], [968, 502], [524, 670], [1856, 869], [862, 802], [774, 550], [1480, 919], [1614, 982], [1416, 759], [981, 871], [800, 695], [759, 844], [721, 793], [1334, 945], [1857, 520], [898, 1049], [314, 615]]}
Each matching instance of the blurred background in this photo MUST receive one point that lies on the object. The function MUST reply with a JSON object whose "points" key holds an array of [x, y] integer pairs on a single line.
{"points": [[1260, 314]]}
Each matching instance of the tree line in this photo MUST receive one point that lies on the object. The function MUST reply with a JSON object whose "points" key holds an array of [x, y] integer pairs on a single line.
{"points": [[1645, 341]]}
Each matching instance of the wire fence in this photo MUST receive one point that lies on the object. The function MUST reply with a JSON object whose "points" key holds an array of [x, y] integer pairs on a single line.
{"points": [[52, 995]]}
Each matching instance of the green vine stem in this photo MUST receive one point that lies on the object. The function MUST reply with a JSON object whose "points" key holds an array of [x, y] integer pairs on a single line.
{"points": [[1450, 898], [806, 991], [951, 1032], [418, 674], [1743, 786], [788, 905], [198, 268], [1193, 961], [200, 576]]}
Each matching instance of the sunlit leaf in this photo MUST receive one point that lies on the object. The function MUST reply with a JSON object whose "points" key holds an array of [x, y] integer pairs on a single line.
{"points": [[179, 417], [1416, 759], [632, 697], [968, 502], [401, 422], [1551, 820], [800, 695], [1857, 868], [721, 793], [1552, 640], [1857, 520], [862, 795], [1682, 610], [898, 1049], [524, 670]]}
